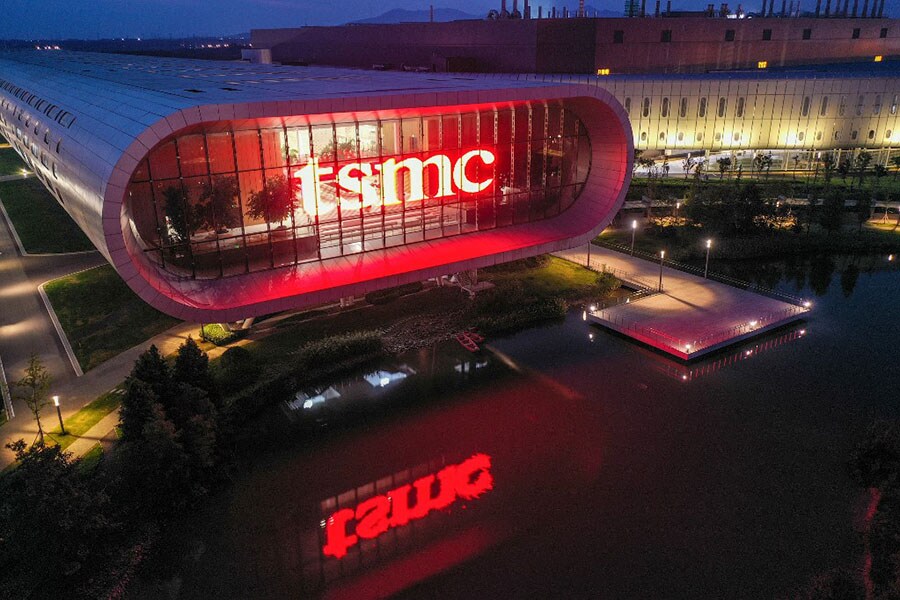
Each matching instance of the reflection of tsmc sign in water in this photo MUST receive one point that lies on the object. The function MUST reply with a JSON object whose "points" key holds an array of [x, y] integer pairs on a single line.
{"points": [[375, 183], [467, 480]]}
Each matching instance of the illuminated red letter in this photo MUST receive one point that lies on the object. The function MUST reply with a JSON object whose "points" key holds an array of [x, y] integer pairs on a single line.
{"points": [[400, 505], [372, 517], [336, 539], [461, 179], [425, 503], [478, 467]]}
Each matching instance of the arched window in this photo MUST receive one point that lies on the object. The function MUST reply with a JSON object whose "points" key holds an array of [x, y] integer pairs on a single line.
{"points": [[680, 136], [722, 105], [665, 108], [859, 105], [646, 110], [876, 108], [662, 136], [682, 110], [871, 134], [854, 134], [740, 108], [823, 109], [643, 136], [628, 105], [701, 109], [801, 136], [804, 108]]}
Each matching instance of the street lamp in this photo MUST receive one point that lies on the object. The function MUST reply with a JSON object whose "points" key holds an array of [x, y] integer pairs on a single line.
{"points": [[62, 427], [633, 230], [706, 268], [662, 256], [677, 208]]}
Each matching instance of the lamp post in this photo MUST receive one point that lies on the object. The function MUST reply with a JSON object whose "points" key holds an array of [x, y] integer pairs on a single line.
{"points": [[706, 268], [62, 427], [677, 208], [662, 256], [633, 230]]}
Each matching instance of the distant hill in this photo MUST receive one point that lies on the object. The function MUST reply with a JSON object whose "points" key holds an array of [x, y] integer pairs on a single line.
{"points": [[400, 15]]}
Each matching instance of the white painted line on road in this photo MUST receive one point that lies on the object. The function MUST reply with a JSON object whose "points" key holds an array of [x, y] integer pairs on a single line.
{"points": [[12, 228], [59, 330], [4, 390]]}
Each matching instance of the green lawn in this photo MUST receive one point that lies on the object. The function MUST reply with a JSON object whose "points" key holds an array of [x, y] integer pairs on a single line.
{"points": [[42, 224], [90, 459], [557, 278], [79, 423], [101, 316], [10, 163]]}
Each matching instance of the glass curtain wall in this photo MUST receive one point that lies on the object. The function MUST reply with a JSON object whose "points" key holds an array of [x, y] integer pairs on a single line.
{"points": [[222, 201]]}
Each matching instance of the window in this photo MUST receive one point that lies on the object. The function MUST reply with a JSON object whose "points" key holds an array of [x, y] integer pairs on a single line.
{"points": [[842, 107], [618, 36], [722, 106], [662, 136], [837, 136], [854, 134], [801, 136], [860, 102], [628, 105], [729, 35], [871, 134], [718, 137], [682, 110], [664, 113], [643, 136], [807, 34], [818, 136], [680, 136], [740, 108], [823, 108], [699, 136], [855, 35], [645, 111], [887, 134], [767, 35], [804, 108], [876, 108], [737, 136], [701, 108], [894, 105], [883, 33], [666, 35]]}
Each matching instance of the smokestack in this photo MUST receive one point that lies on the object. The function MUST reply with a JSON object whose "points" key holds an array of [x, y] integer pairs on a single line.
{"points": [[865, 8], [818, 7], [643, 8], [656, 10], [580, 8], [503, 12], [431, 14], [828, 8], [855, 7], [783, 7], [881, 9], [668, 8], [874, 8], [515, 8], [540, 12], [771, 8], [553, 12], [527, 13]]}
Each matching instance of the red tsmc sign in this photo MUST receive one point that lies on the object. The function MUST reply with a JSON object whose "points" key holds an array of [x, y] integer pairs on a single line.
{"points": [[377, 183], [371, 518]]}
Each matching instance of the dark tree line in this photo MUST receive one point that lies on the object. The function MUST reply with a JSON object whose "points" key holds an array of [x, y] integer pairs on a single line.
{"points": [[65, 529]]}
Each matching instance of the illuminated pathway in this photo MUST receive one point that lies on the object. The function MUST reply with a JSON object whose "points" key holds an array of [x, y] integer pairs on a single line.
{"points": [[692, 316]]}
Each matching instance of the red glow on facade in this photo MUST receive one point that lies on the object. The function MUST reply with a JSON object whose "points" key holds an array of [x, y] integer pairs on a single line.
{"points": [[394, 181], [372, 517]]}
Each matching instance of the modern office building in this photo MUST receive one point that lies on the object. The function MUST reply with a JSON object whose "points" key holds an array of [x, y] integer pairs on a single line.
{"points": [[221, 191]]}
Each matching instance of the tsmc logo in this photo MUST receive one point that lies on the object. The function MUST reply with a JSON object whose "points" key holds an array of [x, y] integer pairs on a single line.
{"points": [[375, 182], [371, 518]]}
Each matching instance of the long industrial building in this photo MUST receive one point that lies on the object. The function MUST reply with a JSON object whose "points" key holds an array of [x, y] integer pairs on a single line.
{"points": [[221, 191]]}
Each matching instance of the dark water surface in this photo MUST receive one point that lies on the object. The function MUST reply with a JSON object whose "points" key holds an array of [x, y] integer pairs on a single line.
{"points": [[614, 472]]}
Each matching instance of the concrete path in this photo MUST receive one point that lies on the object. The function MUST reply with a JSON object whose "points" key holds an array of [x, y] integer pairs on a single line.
{"points": [[13, 177], [692, 316]]}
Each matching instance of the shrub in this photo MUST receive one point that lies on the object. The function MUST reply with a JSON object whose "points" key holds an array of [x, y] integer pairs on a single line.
{"points": [[218, 335], [238, 367], [543, 310], [321, 353]]}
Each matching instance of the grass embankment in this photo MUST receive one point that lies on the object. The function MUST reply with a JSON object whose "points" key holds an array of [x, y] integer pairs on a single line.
{"points": [[82, 421], [10, 163], [42, 224], [101, 316]]}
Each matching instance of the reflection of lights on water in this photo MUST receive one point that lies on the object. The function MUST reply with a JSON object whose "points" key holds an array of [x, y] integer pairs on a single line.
{"points": [[384, 378], [802, 332], [687, 347], [748, 352], [593, 307], [890, 257], [684, 377], [584, 315], [754, 323], [807, 304], [591, 337]]}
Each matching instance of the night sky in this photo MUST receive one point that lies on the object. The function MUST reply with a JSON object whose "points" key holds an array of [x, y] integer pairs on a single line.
{"points": [[31, 19]]}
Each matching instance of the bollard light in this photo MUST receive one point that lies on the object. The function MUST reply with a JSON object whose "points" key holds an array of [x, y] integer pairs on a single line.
{"points": [[62, 427]]}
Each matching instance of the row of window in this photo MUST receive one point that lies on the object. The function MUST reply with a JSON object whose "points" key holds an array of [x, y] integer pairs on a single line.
{"points": [[737, 136], [740, 105], [666, 35]]}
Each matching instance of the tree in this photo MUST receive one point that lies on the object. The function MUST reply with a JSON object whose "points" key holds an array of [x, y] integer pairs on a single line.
{"points": [[863, 209], [896, 162], [151, 368], [53, 520], [275, 202], [137, 410], [861, 163], [33, 389], [183, 220], [219, 209], [724, 164], [192, 367], [844, 168], [879, 171], [828, 165], [832, 212]]}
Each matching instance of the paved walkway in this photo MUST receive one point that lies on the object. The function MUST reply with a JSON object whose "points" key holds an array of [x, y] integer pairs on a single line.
{"points": [[692, 316]]}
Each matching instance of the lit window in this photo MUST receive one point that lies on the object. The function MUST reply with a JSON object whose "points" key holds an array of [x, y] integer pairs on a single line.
{"points": [[878, 58], [603, 71], [763, 64]]}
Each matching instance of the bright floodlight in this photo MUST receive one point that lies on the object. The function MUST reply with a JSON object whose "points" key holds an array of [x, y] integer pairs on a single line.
{"points": [[634, 224], [709, 243], [662, 253], [55, 400]]}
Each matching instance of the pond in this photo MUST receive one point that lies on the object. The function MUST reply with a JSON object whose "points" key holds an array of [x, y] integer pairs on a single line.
{"points": [[565, 461]]}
